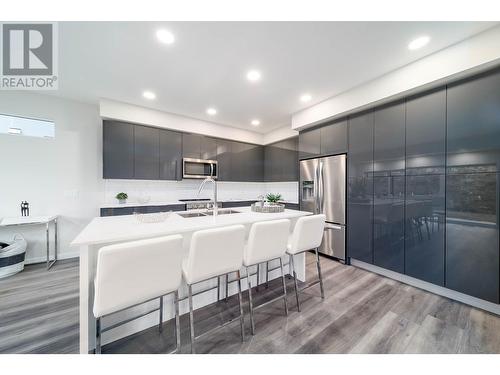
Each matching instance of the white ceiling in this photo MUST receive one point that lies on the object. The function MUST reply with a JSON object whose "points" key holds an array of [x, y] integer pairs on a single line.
{"points": [[207, 64]]}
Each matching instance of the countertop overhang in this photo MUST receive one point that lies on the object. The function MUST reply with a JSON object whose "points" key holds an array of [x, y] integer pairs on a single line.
{"points": [[105, 230]]}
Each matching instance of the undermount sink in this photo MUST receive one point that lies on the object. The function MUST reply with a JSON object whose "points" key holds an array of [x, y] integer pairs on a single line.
{"points": [[191, 214], [223, 212], [207, 213]]}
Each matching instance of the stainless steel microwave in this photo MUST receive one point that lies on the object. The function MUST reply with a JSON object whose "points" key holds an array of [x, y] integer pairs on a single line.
{"points": [[199, 168]]}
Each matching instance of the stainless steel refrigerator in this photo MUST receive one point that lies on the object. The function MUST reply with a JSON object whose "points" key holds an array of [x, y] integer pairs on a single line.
{"points": [[322, 189]]}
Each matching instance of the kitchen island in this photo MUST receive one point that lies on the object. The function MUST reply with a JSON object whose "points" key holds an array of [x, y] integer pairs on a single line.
{"points": [[103, 231]]}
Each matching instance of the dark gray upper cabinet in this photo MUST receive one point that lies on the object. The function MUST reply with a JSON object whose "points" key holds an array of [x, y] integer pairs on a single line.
{"points": [[309, 143], [281, 161], [389, 140], [360, 188], [360, 160], [472, 247], [118, 149], [256, 157], [426, 134], [208, 148], [247, 162], [146, 153], [333, 138], [170, 155], [224, 160], [191, 146], [425, 227], [326, 140], [199, 147], [473, 138]]}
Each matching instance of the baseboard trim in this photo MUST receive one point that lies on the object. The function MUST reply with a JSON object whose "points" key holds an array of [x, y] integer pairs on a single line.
{"points": [[436, 289], [43, 259]]}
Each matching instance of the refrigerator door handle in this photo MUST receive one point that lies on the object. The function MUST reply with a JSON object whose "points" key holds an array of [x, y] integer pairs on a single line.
{"points": [[333, 226], [321, 187], [315, 189]]}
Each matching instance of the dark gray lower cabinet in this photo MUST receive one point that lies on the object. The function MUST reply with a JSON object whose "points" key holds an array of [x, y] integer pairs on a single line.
{"points": [[146, 153], [472, 247], [360, 218], [119, 211], [425, 227], [388, 222]]}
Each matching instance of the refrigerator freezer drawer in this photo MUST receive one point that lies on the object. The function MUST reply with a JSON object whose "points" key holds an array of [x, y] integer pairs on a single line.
{"points": [[333, 241]]}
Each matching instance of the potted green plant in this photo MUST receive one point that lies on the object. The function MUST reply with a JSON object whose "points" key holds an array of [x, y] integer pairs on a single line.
{"points": [[122, 198], [273, 198]]}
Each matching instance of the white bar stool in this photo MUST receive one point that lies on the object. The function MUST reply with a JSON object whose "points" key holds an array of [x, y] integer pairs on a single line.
{"points": [[267, 241], [213, 253], [307, 235], [133, 273]]}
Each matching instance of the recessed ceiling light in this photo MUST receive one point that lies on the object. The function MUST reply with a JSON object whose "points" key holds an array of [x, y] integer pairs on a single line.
{"points": [[305, 98], [149, 95], [255, 122], [418, 43], [165, 36], [15, 131], [211, 111], [253, 75]]}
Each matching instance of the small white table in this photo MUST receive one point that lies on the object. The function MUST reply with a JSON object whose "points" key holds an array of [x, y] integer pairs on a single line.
{"points": [[36, 220]]}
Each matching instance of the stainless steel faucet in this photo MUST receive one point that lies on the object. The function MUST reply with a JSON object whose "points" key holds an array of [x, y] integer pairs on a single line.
{"points": [[210, 179]]}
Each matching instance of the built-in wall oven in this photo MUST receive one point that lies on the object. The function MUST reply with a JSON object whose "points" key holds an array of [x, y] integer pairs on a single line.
{"points": [[199, 168]]}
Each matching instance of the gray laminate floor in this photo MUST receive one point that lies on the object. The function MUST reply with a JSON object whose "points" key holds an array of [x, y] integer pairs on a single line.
{"points": [[362, 313]]}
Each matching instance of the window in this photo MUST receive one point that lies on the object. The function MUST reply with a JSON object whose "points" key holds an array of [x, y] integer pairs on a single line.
{"points": [[29, 127]]}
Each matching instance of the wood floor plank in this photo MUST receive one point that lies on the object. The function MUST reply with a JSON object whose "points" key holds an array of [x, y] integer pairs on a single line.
{"points": [[436, 336], [390, 335]]}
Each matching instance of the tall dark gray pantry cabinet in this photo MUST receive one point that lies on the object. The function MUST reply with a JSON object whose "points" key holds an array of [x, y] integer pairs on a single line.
{"points": [[389, 187], [360, 187], [423, 184], [473, 155]]}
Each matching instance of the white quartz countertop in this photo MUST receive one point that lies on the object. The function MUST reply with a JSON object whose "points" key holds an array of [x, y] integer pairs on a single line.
{"points": [[103, 230]]}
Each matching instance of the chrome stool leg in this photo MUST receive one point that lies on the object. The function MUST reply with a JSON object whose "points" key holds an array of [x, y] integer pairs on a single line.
{"points": [[267, 275], [177, 322], [258, 277], [284, 287], [295, 282], [240, 301], [98, 336], [250, 302], [319, 275], [227, 286], [191, 318], [160, 323], [218, 288]]}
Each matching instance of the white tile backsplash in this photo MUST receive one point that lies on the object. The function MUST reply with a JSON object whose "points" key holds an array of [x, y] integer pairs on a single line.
{"points": [[171, 191]]}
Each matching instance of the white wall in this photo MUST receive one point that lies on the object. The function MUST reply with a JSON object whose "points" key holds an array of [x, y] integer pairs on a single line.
{"points": [[472, 55], [278, 134], [132, 113], [56, 176]]}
